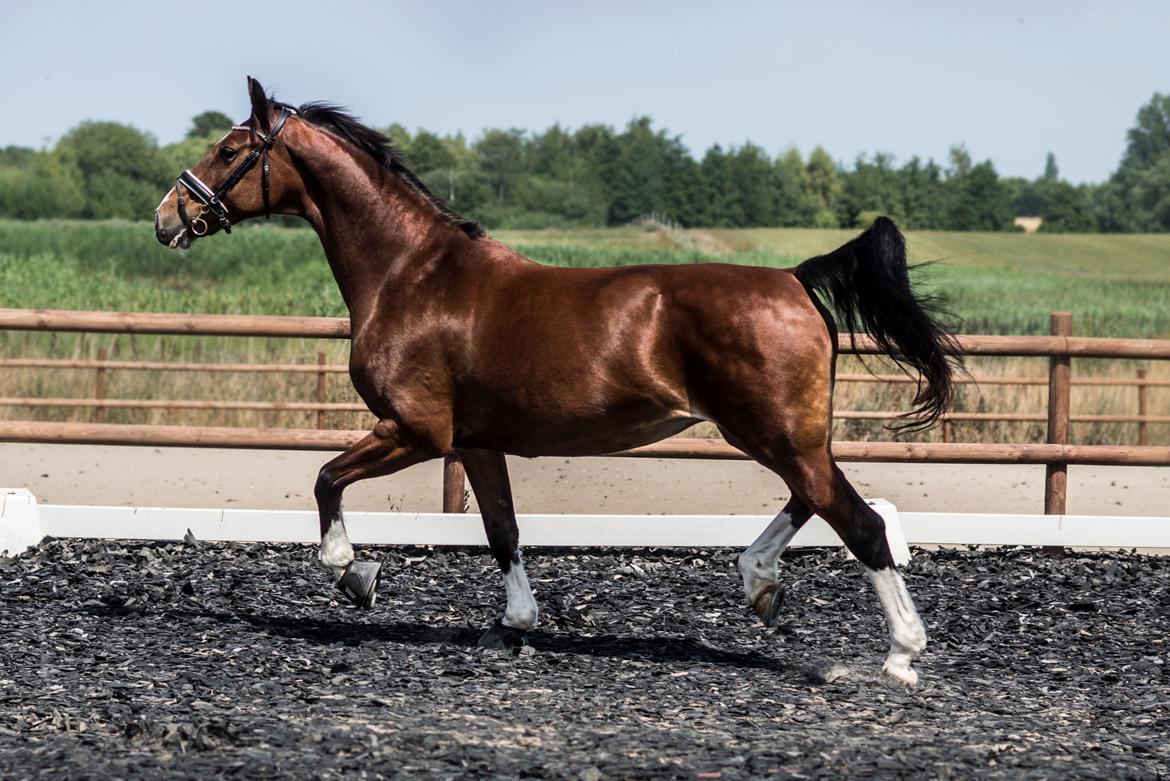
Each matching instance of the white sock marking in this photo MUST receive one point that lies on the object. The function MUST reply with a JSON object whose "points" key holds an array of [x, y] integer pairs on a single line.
{"points": [[907, 634], [522, 610], [758, 564], [336, 552]]}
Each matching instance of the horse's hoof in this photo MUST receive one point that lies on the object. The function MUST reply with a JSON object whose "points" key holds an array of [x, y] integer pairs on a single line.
{"points": [[502, 638], [768, 604], [901, 675], [359, 582]]}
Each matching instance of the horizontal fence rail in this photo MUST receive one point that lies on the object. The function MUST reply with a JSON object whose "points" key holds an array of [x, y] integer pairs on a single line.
{"points": [[338, 328], [339, 368], [173, 324], [277, 406], [1056, 454], [340, 406], [177, 366], [677, 447], [993, 379]]}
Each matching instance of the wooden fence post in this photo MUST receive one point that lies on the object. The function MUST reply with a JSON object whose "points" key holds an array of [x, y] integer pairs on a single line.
{"points": [[99, 391], [948, 432], [1143, 407], [1059, 385], [453, 482], [321, 390]]}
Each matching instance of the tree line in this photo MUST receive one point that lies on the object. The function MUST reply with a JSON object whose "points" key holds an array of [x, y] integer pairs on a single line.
{"points": [[598, 175]]}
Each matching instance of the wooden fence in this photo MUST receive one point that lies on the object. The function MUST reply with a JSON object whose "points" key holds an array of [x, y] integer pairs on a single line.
{"points": [[1056, 453]]}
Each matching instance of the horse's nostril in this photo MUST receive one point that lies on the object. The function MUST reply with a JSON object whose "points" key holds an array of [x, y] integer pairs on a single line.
{"points": [[156, 220]]}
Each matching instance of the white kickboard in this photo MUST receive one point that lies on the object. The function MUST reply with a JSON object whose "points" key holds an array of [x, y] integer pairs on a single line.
{"points": [[20, 526], [24, 522], [536, 530]]}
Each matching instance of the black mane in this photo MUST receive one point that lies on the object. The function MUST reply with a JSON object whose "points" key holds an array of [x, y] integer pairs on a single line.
{"points": [[379, 147]]}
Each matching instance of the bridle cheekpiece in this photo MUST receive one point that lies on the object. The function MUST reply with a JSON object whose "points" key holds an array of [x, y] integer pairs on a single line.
{"points": [[212, 200]]}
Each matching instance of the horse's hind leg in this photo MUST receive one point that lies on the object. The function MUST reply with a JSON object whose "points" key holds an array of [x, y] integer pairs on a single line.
{"points": [[817, 480], [487, 471], [818, 486], [759, 563], [381, 452]]}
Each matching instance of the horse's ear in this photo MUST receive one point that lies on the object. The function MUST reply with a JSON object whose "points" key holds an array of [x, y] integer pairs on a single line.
{"points": [[260, 106]]}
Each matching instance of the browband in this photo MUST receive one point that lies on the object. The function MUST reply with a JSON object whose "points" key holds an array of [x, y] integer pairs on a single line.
{"points": [[212, 200]]}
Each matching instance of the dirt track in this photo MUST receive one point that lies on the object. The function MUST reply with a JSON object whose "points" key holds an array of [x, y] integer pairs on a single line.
{"points": [[181, 477]]}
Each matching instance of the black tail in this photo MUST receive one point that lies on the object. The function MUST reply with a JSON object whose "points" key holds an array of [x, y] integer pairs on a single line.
{"points": [[868, 284]]}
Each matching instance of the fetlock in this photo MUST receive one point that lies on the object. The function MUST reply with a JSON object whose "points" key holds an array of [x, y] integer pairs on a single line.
{"points": [[757, 577], [522, 616], [336, 552], [911, 639]]}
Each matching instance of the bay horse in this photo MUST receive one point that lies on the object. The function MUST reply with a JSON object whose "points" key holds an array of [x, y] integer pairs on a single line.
{"points": [[460, 344]]}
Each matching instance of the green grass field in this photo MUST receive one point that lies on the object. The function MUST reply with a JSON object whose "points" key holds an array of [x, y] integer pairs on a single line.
{"points": [[997, 283]]}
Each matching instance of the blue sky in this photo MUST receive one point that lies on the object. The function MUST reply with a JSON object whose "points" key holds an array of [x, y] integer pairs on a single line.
{"points": [[1011, 80]]}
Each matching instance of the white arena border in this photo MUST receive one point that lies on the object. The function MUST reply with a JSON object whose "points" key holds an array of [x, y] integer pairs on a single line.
{"points": [[23, 523]]}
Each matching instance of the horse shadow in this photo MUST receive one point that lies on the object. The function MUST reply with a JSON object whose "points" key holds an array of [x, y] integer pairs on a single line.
{"points": [[664, 650]]}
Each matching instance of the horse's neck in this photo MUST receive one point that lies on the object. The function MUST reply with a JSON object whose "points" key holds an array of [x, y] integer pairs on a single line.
{"points": [[376, 231]]}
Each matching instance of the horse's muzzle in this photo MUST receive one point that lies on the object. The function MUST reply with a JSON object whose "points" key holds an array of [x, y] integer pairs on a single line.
{"points": [[175, 237]]}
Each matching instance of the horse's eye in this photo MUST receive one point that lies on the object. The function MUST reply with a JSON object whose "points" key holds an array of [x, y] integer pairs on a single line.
{"points": [[227, 154]]}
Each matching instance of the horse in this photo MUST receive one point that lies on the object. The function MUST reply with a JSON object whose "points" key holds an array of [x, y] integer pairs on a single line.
{"points": [[461, 345]]}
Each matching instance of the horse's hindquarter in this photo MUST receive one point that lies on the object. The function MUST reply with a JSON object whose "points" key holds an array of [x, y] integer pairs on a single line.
{"points": [[759, 354], [576, 362]]}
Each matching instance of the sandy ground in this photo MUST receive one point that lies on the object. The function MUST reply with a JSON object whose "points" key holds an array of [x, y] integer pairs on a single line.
{"points": [[183, 477]]}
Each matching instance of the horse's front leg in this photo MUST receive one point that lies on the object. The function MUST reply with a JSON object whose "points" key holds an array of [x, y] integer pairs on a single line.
{"points": [[384, 450], [487, 471]]}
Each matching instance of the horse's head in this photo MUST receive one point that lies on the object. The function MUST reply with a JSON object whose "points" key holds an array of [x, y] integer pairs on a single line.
{"points": [[246, 174]]}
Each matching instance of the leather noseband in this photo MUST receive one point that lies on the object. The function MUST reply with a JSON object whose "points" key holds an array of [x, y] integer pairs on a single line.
{"points": [[212, 200]]}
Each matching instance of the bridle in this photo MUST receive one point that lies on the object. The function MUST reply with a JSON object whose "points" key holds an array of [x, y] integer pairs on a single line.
{"points": [[212, 200]]}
